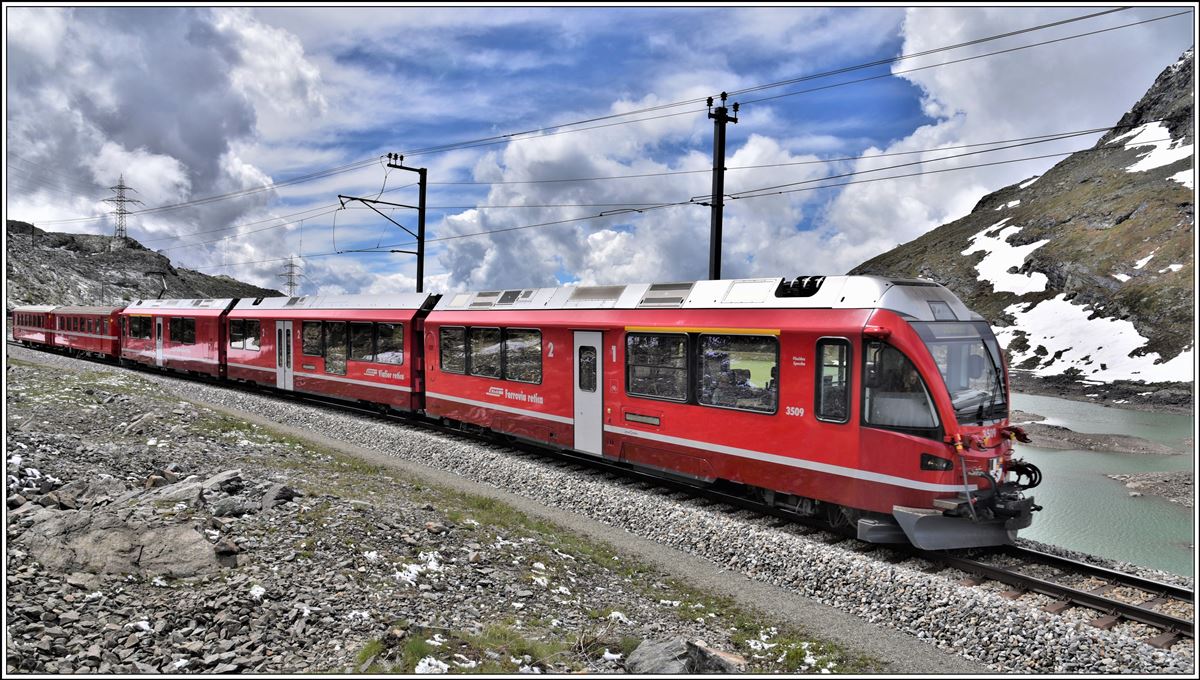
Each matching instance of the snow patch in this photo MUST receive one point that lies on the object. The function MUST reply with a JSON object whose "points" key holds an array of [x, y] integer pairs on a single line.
{"points": [[1010, 204], [430, 665], [1184, 177], [1171, 267], [1000, 256], [618, 617], [1164, 151], [1099, 348], [1142, 262], [609, 656], [1122, 277], [257, 592], [465, 662], [1027, 183]]}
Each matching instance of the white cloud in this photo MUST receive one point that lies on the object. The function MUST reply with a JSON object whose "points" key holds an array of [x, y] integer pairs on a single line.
{"points": [[273, 73]]}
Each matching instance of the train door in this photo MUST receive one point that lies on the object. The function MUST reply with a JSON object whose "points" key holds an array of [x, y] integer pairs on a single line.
{"points": [[589, 391], [158, 341], [283, 355]]}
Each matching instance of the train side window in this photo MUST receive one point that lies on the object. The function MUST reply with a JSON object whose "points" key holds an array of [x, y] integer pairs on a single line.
{"points": [[485, 352], [175, 329], [453, 349], [656, 366], [90, 326], [337, 346], [587, 369], [75, 323], [739, 372], [362, 341], [894, 395], [389, 348], [189, 331], [311, 341], [832, 400], [253, 334], [237, 333], [523, 355]]}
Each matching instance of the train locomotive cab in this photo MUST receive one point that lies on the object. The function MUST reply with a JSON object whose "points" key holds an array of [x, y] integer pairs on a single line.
{"points": [[935, 394]]}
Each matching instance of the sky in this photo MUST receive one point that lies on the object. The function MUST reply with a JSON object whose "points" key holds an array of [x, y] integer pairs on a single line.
{"points": [[239, 127]]}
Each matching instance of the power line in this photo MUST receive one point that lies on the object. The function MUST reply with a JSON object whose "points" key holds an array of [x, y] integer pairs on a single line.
{"points": [[750, 193], [1049, 137], [34, 169], [903, 165], [958, 61], [234, 194], [787, 191], [700, 100], [1016, 142], [902, 57]]}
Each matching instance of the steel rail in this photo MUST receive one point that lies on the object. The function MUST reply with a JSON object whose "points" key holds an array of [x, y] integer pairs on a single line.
{"points": [[1090, 599], [1132, 580]]}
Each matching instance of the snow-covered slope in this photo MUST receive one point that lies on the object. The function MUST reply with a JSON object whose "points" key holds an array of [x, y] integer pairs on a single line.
{"points": [[1087, 270]]}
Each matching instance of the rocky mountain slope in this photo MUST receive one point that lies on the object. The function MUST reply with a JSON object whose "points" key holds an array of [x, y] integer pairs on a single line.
{"points": [[54, 268], [1086, 271]]}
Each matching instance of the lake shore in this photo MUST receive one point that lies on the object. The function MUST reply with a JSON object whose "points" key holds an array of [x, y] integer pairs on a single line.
{"points": [[1175, 486], [1048, 436], [1173, 398]]}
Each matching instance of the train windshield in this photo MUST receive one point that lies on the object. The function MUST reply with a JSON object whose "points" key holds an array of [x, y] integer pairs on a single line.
{"points": [[968, 358]]}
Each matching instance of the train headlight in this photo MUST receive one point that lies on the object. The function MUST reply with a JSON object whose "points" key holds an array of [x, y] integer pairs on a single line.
{"points": [[932, 462]]}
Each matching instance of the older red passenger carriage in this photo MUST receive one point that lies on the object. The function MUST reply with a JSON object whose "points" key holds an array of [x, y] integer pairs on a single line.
{"points": [[352, 347]]}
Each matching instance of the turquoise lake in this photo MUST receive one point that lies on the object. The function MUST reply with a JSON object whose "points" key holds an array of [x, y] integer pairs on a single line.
{"points": [[1086, 511]]}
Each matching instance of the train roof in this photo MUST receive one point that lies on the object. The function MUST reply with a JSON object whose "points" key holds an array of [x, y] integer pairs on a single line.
{"points": [[33, 309], [911, 297], [105, 311], [200, 303], [390, 301]]}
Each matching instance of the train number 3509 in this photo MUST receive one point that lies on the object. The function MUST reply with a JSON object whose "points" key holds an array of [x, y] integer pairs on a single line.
{"points": [[793, 411]]}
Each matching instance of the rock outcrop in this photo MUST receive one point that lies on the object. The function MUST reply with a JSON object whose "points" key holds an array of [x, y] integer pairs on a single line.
{"points": [[84, 269]]}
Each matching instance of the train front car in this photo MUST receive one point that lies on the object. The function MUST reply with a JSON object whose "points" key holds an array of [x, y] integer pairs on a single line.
{"points": [[935, 400]]}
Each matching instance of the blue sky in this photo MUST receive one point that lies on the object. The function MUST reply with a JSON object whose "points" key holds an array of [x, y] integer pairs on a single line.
{"points": [[190, 103]]}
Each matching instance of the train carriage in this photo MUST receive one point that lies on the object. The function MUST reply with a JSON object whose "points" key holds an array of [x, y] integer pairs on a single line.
{"points": [[826, 394], [351, 347], [87, 330], [180, 335], [31, 324]]}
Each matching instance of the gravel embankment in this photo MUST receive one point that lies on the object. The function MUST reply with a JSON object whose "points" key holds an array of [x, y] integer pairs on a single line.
{"points": [[976, 623], [151, 535]]}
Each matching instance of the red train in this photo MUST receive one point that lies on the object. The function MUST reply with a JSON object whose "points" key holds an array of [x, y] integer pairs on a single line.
{"points": [[880, 404]]}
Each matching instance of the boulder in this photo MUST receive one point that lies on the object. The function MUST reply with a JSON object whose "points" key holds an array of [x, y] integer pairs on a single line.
{"points": [[277, 493], [232, 507], [676, 656], [706, 660], [103, 543], [668, 657]]}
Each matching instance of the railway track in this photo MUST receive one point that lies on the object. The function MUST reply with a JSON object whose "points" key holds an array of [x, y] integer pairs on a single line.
{"points": [[1118, 596], [1109, 592]]}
